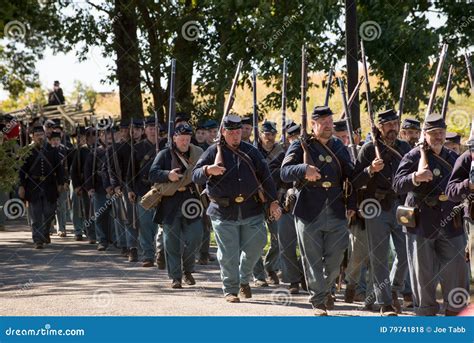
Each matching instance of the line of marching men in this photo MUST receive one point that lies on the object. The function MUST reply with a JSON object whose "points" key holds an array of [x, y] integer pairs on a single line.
{"points": [[312, 212]]}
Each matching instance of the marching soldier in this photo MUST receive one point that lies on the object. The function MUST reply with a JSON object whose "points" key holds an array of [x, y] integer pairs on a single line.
{"points": [[201, 136], [237, 181], [460, 189], [96, 184], [212, 128], [453, 142], [118, 183], [41, 180], [376, 174], [358, 251], [410, 131], [247, 126], [291, 266], [145, 152], [266, 271], [63, 202], [435, 239], [80, 198], [180, 226], [320, 209]]}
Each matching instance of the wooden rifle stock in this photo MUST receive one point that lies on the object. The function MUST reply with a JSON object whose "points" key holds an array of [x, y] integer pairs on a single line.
{"points": [[423, 163], [219, 160]]}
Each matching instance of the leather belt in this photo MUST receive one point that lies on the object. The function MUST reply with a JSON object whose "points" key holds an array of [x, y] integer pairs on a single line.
{"points": [[431, 200], [226, 202], [324, 184]]}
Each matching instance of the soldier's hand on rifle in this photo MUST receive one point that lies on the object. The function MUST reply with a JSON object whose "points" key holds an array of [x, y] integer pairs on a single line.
{"points": [[21, 192], [350, 214], [78, 191], [377, 165], [118, 190], [132, 197], [425, 175], [275, 210], [174, 175], [471, 186], [109, 190], [91, 192], [312, 173], [215, 170]]}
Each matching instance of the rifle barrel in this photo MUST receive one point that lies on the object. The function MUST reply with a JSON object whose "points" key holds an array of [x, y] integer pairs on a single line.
{"points": [[444, 110], [283, 104]]}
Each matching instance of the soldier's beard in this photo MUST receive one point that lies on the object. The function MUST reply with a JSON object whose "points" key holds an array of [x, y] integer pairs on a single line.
{"points": [[391, 136]]}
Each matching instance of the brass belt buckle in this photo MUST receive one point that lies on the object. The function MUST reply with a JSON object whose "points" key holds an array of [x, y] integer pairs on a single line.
{"points": [[326, 184], [239, 199], [42, 178], [443, 197]]}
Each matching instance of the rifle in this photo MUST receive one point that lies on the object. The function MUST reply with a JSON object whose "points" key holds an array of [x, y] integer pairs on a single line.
{"points": [[353, 96], [94, 162], [328, 89], [469, 71], [304, 115], [109, 169], [255, 109], [82, 206], [444, 110], [348, 119], [66, 170], [172, 103], [219, 160], [403, 88], [157, 133], [369, 103], [423, 163], [122, 203], [283, 105], [132, 166]]}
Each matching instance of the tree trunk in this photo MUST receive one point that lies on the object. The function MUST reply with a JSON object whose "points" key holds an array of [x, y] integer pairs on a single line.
{"points": [[128, 69], [352, 58]]}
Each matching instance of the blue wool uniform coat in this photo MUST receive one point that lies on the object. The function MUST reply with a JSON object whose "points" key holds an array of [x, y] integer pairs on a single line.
{"points": [[311, 199], [238, 180], [433, 214]]}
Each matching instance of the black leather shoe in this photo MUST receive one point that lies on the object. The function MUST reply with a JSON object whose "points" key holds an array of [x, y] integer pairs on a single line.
{"points": [[160, 261], [189, 279], [273, 278], [176, 284], [133, 256], [294, 288], [245, 291]]}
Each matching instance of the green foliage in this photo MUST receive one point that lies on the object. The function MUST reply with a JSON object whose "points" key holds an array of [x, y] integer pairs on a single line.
{"points": [[12, 158]]}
